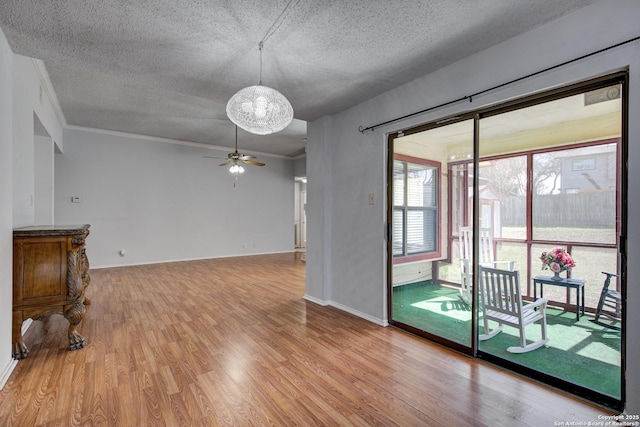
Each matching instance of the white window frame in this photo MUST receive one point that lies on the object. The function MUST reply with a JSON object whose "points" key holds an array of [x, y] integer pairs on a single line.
{"points": [[406, 254]]}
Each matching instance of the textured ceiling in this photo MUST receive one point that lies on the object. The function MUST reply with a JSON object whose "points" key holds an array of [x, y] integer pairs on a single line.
{"points": [[166, 68]]}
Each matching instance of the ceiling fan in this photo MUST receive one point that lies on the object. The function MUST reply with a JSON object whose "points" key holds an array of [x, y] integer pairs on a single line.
{"points": [[236, 160]]}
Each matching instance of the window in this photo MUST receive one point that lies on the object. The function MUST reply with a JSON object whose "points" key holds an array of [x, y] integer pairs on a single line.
{"points": [[583, 164], [585, 211], [415, 209]]}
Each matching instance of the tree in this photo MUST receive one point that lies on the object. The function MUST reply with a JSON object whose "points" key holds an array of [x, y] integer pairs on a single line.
{"points": [[508, 176], [546, 173]]}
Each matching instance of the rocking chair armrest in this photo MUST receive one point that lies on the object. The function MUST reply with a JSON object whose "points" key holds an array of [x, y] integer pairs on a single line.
{"points": [[537, 303], [610, 274]]}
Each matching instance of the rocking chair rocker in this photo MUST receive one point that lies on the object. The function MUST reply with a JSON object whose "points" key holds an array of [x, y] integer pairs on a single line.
{"points": [[502, 302], [610, 304]]}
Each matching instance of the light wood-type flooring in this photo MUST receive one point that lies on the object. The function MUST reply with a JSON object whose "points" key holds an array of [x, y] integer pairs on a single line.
{"points": [[232, 342]]}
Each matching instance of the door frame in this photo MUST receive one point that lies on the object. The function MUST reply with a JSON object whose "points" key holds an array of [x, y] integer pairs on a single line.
{"points": [[538, 98]]}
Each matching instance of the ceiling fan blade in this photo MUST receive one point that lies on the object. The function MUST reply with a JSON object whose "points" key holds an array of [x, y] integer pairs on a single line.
{"points": [[225, 163], [251, 162], [247, 157]]}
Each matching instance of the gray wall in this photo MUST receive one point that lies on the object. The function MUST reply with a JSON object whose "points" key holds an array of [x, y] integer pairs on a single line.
{"points": [[162, 201], [6, 203], [346, 253], [300, 166]]}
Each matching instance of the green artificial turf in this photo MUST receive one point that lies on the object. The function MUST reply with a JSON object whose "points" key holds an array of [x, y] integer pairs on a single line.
{"points": [[580, 352]]}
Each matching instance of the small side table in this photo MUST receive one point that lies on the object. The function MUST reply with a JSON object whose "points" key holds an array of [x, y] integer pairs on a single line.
{"points": [[577, 284]]}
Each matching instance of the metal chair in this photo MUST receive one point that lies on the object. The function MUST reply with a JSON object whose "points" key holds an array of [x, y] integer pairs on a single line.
{"points": [[610, 304]]}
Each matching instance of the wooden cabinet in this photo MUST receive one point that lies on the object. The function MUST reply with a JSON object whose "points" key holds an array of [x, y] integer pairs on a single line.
{"points": [[50, 275]]}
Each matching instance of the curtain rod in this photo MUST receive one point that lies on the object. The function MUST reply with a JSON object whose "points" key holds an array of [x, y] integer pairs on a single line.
{"points": [[470, 97]]}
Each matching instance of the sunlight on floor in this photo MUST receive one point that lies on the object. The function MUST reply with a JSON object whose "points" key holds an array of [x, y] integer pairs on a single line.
{"points": [[450, 307]]}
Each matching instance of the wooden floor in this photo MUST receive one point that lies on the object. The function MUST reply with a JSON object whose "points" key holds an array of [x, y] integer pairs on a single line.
{"points": [[232, 342]]}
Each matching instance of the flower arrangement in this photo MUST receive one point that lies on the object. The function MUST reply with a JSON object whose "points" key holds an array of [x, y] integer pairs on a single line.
{"points": [[557, 260]]}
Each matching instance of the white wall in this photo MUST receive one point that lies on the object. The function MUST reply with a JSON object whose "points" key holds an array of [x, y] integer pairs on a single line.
{"points": [[346, 253], [43, 180], [161, 201], [22, 97], [6, 228], [29, 97]]}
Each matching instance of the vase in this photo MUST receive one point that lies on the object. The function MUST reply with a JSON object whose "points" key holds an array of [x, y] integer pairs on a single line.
{"points": [[556, 276]]}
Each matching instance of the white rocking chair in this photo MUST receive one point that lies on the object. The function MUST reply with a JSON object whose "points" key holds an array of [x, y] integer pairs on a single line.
{"points": [[486, 257], [502, 302]]}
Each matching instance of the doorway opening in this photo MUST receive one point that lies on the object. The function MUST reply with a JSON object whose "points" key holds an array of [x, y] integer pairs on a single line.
{"points": [[300, 216]]}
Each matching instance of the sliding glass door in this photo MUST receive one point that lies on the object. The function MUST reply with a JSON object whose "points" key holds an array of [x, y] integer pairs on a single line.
{"points": [[555, 169], [530, 194], [424, 290]]}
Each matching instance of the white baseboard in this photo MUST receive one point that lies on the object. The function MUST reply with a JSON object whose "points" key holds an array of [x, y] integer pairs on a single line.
{"points": [[5, 373], [349, 310], [316, 300], [360, 314], [166, 261]]}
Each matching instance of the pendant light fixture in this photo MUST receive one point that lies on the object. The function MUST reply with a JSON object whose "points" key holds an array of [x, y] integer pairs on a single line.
{"points": [[259, 109]]}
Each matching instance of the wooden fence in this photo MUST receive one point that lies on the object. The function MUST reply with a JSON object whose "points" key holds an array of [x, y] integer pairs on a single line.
{"points": [[580, 210]]}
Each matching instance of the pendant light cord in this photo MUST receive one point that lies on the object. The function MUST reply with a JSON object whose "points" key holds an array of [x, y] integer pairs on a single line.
{"points": [[260, 46], [278, 22], [269, 111], [272, 29]]}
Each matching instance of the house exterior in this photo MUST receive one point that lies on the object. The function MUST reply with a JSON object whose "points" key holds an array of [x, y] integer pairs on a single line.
{"points": [[590, 171]]}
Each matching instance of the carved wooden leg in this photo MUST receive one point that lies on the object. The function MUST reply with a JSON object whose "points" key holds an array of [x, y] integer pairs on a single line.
{"points": [[86, 277], [74, 315], [20, 350]]}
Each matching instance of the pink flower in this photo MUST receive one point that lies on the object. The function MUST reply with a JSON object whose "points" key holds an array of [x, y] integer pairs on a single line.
{"points": [[557, 259]]}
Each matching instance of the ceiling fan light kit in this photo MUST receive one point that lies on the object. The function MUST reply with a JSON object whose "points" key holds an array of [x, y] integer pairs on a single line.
{"points": [[259, 109], [236, 160], [236, 169]]}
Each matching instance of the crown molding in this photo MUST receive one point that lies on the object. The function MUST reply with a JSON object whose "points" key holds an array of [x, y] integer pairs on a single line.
{"points": [[168, 140], [47, 86]]}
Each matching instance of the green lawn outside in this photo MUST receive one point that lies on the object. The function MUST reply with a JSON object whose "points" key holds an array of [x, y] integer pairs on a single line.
{"points": [[590, 262]]}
